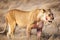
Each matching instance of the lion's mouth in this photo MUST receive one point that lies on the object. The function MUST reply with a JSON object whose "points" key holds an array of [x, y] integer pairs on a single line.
{"points": [[50, 21]]}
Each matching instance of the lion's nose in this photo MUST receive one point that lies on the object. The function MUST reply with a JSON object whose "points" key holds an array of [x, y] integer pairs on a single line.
{"points": [[53, 18]]}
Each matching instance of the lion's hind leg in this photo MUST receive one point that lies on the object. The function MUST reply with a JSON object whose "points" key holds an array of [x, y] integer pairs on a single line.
{"points": [[11, 29]]}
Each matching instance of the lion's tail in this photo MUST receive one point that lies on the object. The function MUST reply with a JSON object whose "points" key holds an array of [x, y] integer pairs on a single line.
{"points": [[5, 26]]}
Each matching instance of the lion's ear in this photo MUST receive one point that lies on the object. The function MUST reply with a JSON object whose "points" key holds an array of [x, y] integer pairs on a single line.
{"points": [[43, 10], [49, 9]]}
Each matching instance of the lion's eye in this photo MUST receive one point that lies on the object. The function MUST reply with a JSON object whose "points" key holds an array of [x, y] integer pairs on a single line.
{"points": [[49, 14]]}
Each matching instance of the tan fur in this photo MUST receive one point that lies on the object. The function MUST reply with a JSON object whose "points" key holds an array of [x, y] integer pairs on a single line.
{"points": [[23, 19]]}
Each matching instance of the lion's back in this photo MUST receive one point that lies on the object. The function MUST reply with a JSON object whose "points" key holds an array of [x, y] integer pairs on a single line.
{"points": [[20, 17]]}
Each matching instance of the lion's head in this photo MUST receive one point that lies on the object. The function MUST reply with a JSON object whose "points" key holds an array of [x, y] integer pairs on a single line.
{"points": [[46, 15]]}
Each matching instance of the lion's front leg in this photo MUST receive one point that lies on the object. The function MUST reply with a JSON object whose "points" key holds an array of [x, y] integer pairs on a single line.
{"points": [[28, 31], [39, 29], [39, 33]]}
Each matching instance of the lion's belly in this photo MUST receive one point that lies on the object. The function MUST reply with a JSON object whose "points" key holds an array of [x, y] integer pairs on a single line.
{"points": [[22, 21]]}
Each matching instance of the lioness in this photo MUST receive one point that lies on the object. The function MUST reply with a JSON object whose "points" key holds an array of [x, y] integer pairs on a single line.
{"points": [[28, 19]]}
